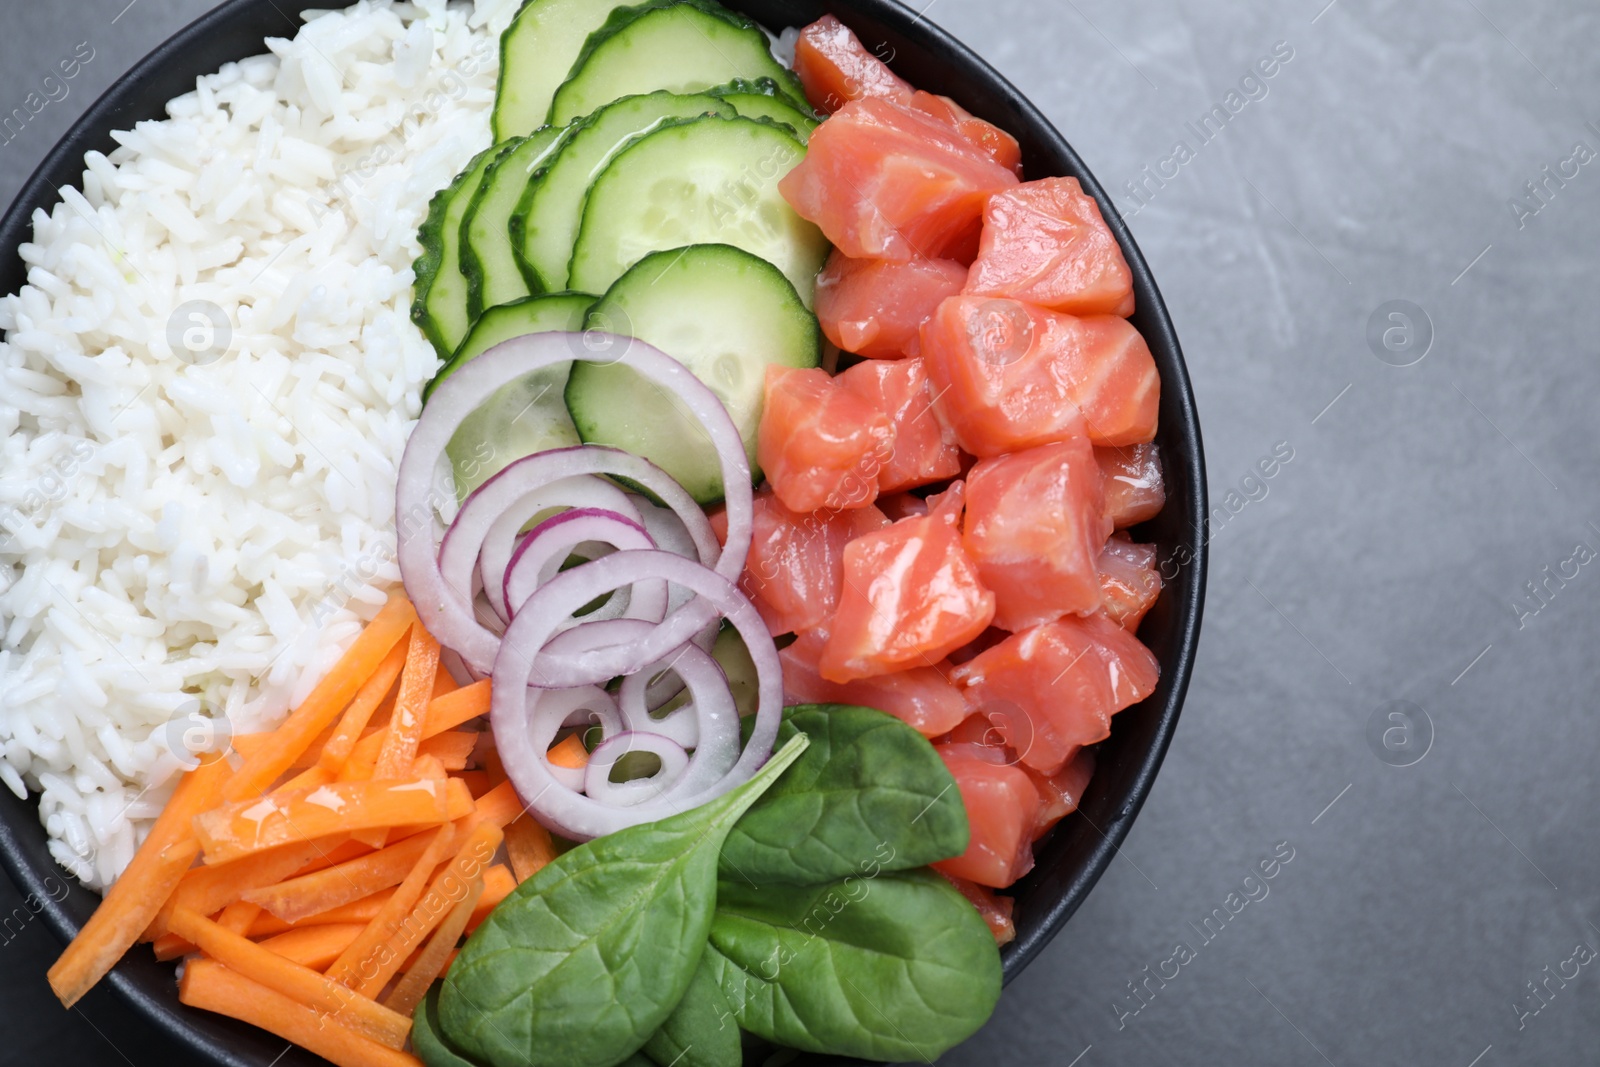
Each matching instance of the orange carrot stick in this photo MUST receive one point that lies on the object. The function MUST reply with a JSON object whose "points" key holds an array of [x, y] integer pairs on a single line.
{"points": [[361, 911], [135, 898], [499, 806], [361, 952], [570, 753], [170, 947], [498, 883], [444, 683], [238, 917], [324, 704], [209, 985], [364, 1016], [528, 847], [444, 713], [452, 748], [372, 973], [207, 890], [372, 693], [249, 826], [410, 707], [314, 946], [409, 991], [309, 778], [309, 894]]}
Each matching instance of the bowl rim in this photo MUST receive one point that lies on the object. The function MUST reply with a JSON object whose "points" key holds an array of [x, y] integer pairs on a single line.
{"points": [[63, 165]]}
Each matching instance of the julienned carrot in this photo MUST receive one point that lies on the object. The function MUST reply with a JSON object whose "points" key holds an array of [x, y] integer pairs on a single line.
{"points": [[355, 718], [528, 847], [309, 894], [452, 748], [249, 826], [570, 753], [405, 896], [447, 887], [362, 1015], [444, 713], [325, 703], [170, 947], [314, 946], [361, 911], [208, 889], [237, 917], [209, 985], [443, 684], [413, 985], [136, 897], [350, 850], [309, 778], [498, 883], [499, 806], [410, 707]]}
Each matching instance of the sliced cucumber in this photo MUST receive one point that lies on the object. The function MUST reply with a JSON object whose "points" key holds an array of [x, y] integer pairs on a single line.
{"points": [[537, 52], [720, 311], [552, 205], [685, 46], [526, 416], [743, 682], [493, 276], [440, 304], [762, 99], [705, 181]]}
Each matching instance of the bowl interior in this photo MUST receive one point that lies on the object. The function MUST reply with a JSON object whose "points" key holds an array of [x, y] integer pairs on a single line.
{"points": [[1071, 859]]}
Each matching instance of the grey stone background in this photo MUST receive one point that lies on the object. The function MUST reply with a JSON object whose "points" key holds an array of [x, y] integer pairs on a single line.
{"points": [[1388, 561]]}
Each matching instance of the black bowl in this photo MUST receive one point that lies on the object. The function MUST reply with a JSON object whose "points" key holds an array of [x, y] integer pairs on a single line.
{"points": [[1071, 860]]}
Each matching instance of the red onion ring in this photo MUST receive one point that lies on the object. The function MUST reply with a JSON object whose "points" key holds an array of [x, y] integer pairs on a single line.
{"points": [[523, 728], [445, 605], [540, 554]]}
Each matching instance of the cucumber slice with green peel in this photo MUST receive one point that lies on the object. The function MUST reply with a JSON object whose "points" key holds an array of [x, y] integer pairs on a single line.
{"points": [[685, 46], [527, 415], [762, 99], [724, 314], [439, 306], [552, 204], [743, 682], [493, 276], [705, 181], [537, 52]]}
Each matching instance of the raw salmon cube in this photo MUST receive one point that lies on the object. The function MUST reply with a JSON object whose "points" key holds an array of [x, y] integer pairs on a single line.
{"points": [[1046, 243]]}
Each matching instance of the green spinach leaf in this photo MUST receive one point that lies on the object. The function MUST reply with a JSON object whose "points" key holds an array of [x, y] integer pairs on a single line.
{"points": [[701, 1031], [869, 795], [899, 967], [426, 1041], [585, 960]]}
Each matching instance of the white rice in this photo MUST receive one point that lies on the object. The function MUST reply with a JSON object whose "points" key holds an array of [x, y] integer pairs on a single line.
{"points": [[175, 529]]}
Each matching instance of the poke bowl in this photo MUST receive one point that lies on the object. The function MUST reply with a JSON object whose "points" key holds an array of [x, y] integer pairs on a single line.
{"points": [[1074, 850]]}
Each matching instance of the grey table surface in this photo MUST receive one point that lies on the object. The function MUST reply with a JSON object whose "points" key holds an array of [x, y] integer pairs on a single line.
{"points": [[1397, 675]]}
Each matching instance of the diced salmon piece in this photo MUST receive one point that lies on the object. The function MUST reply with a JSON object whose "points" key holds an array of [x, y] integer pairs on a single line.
{"points": [[1035, 526], [1008, 375], [1062, 792], [884, 181], [923, 451], [820, 444], [911, 595], [876, 307], [1135, 492], [836, 68], [1046, 243], [1130, 583], [796, 561], [923, 697], [995, 909], [1061, 683], [1003, 807]]}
